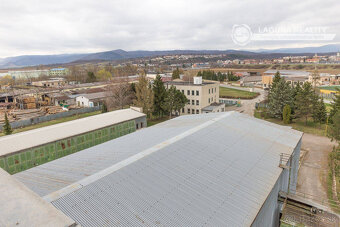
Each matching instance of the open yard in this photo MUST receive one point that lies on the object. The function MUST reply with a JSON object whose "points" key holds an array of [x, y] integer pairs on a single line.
{"points": [[151, 122], [236, 93], [53, 122]]}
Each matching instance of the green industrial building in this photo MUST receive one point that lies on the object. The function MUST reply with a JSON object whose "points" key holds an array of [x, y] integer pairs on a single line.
{"points": [[24, 150]]}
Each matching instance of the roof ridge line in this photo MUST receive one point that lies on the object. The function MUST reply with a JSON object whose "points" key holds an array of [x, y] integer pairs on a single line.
{"points": [[94, 177]]}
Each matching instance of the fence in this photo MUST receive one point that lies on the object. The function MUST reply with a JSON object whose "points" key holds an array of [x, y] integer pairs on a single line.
{"points": [[36, 120], [261, 105], [228, 102]]}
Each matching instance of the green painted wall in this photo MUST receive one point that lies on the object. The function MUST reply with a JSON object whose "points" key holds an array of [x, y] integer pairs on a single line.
{"points": [[38, 155]]}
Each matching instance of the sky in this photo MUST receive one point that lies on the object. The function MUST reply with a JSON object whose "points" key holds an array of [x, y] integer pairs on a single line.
{"points": [[81, 26]]}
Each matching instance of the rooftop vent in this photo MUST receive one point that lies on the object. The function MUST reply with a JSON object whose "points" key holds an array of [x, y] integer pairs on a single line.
{"points": [[197, 80]]}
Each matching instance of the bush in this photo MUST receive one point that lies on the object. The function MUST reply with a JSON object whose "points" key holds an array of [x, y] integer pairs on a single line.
{"points": [[286, 114]]}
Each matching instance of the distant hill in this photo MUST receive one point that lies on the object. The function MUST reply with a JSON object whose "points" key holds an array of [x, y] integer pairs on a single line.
{"points": [[33, 60], [331, 48]]}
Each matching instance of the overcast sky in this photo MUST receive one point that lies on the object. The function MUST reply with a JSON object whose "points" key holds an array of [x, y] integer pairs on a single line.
{"points": [[78, 26]]}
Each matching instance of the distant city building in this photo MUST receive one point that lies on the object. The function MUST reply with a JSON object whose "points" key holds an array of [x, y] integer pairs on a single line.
{"points": [[53, 82], [58, 72], [27, 74], [291, 76], [205, 65], [91, 100], [203, 97]]}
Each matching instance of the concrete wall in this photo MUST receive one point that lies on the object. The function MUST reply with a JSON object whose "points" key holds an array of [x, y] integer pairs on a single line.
{"points": [[269, 215], [29, 158]]}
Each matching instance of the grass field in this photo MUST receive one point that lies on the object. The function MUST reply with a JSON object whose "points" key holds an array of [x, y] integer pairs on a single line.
{"points": [[236, 93], [53, 122], [151, 122], [297, 124]]}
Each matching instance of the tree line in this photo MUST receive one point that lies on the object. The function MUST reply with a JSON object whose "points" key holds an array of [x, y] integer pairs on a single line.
{"points": [[211, 75], [287, 102], [157, 100]]}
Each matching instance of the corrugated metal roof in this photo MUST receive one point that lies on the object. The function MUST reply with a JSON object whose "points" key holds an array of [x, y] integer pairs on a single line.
{"points": [[197, 170], [36, 137]]}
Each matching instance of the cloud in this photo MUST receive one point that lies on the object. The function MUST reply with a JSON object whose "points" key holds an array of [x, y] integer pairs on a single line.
{"points": [[64, 26]]}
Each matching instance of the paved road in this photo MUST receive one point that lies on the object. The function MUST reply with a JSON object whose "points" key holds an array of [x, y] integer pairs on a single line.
{"points": [[247, 106], [312, 178]]}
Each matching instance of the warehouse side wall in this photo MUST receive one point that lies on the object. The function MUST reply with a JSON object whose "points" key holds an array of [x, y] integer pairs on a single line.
{"points": [[29, 158], [269, 215]]}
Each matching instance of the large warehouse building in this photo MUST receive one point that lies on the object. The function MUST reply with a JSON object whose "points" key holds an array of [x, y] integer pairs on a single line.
{"points": [[217, 169], [24, 150]]}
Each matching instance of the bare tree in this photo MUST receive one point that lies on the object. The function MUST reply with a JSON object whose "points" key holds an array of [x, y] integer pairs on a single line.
{"points": [[119, 95]]}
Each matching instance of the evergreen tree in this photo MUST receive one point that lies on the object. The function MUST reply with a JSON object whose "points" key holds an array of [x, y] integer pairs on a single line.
{"points": [[133, 87], [170, 100], [144, 95], [277, 78], [286, 114], [104, 107], [91, 77], [319, 111], [175, 74], [159, 92], [305, 101], [296, 90], [280, 94], [180, 101], [335, 106], [7, 126]]}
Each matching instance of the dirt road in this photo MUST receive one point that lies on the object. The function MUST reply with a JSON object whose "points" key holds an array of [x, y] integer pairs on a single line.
{"points": [[312, 178]]}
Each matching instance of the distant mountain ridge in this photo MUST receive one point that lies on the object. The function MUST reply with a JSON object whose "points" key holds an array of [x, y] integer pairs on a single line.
{"points": [[330, 48], [33, 60]]}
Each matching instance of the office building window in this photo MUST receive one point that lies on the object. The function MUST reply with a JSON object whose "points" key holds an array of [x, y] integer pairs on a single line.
{"points": [[188, 92], [182, 110], [197, 102], [183, 91], [209, 90], [188, 111], [197, 93], [209, 100], [192, 92], [212, 90], [188, 101], [193, 111], [197, 111], [192, 102], [215, 90]]}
